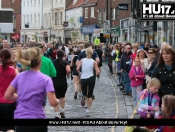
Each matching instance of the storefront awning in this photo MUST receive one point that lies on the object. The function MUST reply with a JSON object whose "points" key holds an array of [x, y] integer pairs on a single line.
{"points": [[148, 28]]}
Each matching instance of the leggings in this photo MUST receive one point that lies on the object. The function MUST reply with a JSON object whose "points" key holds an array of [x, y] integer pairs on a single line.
{"points": [[31, 129], [84, 85]]}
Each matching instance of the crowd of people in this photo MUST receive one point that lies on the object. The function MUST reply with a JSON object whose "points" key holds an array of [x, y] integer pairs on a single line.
{"points": [[147, 73]]}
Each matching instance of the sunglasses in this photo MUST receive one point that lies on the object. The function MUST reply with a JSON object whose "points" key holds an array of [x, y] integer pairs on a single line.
{"points": [[150, 52]]}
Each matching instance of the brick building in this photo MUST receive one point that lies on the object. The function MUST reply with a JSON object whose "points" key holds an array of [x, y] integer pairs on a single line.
{"points": [[16, 5], [6, 3]]}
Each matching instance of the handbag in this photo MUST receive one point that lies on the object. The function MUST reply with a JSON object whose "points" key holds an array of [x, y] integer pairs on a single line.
{"points": [[133, 128]]}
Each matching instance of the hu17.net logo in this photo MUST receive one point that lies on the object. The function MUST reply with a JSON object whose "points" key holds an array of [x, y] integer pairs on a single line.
{"points": [[162, 11]]}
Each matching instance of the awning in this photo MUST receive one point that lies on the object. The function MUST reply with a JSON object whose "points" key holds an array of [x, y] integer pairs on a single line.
{"points": [[148, 28]]}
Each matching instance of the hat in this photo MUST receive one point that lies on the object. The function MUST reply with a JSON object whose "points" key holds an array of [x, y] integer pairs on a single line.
{"points": [[154, 46]]}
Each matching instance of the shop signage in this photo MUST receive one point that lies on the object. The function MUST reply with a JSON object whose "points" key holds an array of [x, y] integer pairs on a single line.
{"points": [[107, 35], [97, 32], [123, 6], [88, 29]]}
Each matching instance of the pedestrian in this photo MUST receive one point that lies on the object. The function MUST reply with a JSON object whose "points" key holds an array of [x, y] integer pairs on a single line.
{"points": [[29, 97], [136, 76], [113, 55], [70, 56], [7, 74], [125, 68], [87, 66], [60, 82], [149, 103], [168, 112], [77, 84], [165, 71]]}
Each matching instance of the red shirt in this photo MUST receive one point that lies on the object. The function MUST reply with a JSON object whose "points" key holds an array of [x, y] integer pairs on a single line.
{"points": [[6, 77], [54, 54]]}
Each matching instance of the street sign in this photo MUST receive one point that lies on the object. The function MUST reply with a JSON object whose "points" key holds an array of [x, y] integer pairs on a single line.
{"points": [[97, 32], [106, 35], [65, 24], [106, 26]]}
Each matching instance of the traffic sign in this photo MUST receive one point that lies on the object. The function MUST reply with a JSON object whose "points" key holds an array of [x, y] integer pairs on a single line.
{"points": [[97, 32]]}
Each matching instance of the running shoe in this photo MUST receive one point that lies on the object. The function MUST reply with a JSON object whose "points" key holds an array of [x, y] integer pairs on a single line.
{"points": [[75, 96], [56, 116], [85, 106], [87, 113], [83, 101], [80, 96], [62, 115]]}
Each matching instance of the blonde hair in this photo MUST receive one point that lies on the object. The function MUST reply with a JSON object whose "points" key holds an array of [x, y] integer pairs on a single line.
{"points": [[89, 51], [154, 82], [30, 57], [135, 45], [169, 104]]}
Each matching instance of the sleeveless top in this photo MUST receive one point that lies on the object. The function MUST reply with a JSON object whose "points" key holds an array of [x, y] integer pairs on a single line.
{"points": [[6, 77], [87, 68]]}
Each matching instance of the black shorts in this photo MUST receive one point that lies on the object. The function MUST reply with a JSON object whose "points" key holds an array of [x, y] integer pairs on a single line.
{"points": [[60, 89], [7, 112]]}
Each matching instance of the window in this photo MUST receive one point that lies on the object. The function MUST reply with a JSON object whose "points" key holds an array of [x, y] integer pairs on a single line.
{"points": [[38, 2], [31, 20], [24, 19], [92, 11], [112, 13], [30, 2], [27, 19], [38, 20], [86, 12], [27, 3], [117, 13], [34, 2], [45, 20], [61, 18], [53, 18], [24, 3], [35, 20], [104, 15], [56, 18], [74, 1], [14, 22], [99, 15]]}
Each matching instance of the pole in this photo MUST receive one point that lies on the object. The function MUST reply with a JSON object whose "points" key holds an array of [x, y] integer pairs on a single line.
{"points": [[0, 4], [107, 10], [50, 34]]}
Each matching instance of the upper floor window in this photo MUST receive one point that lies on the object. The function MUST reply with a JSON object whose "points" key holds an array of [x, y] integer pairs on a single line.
{"points": [[86, 12], [99, 14], [38, 2], [34, 2], [30, 2], [27, 3], [61, 18], [112, 13], [74, 1], [24, 4], [104, 14], [117, 13], [92, 11]]}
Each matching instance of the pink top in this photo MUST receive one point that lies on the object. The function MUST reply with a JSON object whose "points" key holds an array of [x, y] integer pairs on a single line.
{"points": [[6, 77], [133, 57], [139, 74]]}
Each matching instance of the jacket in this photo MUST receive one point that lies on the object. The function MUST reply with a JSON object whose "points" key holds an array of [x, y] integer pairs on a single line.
{"points": [[140, 77], [167, 79], [151, 69], [126, 58]]}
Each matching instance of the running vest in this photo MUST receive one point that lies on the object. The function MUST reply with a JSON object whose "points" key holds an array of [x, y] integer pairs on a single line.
{"points": [[117, 54], [87, 68]]}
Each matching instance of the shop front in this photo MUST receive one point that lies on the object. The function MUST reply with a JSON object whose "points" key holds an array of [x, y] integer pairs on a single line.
{"points": [[115, 34], [75, 35], [87, 31]]}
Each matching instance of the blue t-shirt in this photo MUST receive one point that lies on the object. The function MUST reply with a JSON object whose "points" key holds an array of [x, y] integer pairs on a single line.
{"points": [[19, 65], [83, 55]]}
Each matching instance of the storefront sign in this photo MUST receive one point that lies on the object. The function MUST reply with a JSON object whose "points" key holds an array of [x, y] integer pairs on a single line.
{"points": [[123, 6], [88, 29], [107, 35], [97, 32]]}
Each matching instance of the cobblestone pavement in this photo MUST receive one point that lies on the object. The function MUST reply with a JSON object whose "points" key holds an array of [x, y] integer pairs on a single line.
{"points": [[109, 103]]}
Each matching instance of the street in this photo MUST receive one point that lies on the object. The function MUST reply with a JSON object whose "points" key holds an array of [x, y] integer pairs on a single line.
{"points": [[109, 103]]}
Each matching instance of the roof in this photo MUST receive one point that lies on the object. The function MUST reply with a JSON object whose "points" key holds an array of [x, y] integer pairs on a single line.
{"points": [[77, 4], [91, 1]]}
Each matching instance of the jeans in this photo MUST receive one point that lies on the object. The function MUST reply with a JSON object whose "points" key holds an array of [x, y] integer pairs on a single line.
{"points": [[127, 83], [136, 93]]}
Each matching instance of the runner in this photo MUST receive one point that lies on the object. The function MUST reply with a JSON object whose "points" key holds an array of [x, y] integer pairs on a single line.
{"points": [[60, 82], [7, 74], [77, 84], [87, 66], [30, 97]]}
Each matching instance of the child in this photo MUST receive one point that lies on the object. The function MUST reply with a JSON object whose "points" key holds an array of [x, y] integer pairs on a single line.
{"points": [[137, 76], [149, 100], [168, 112]]}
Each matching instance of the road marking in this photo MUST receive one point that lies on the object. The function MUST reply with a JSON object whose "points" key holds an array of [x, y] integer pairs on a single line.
{"points": [[117, 110]]}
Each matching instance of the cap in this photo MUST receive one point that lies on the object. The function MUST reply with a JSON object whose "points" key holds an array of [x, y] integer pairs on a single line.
{"points": [[154, 46]]}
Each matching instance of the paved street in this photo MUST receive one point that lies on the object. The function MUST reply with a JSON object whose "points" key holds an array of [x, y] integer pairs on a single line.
{"points": [[109, 103]]}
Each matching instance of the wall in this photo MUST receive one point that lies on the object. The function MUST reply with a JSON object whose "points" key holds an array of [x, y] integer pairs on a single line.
{"points": [[6, 3]]}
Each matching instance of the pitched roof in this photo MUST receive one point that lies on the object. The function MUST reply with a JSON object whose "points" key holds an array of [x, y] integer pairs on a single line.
{"points": [[77, 4], [91, 1]]}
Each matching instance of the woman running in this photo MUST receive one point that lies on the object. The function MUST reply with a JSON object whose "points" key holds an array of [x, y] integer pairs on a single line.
{"points": [[87, 66], [60, 82], [29, 97], [77, 86], [7, 74]]}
